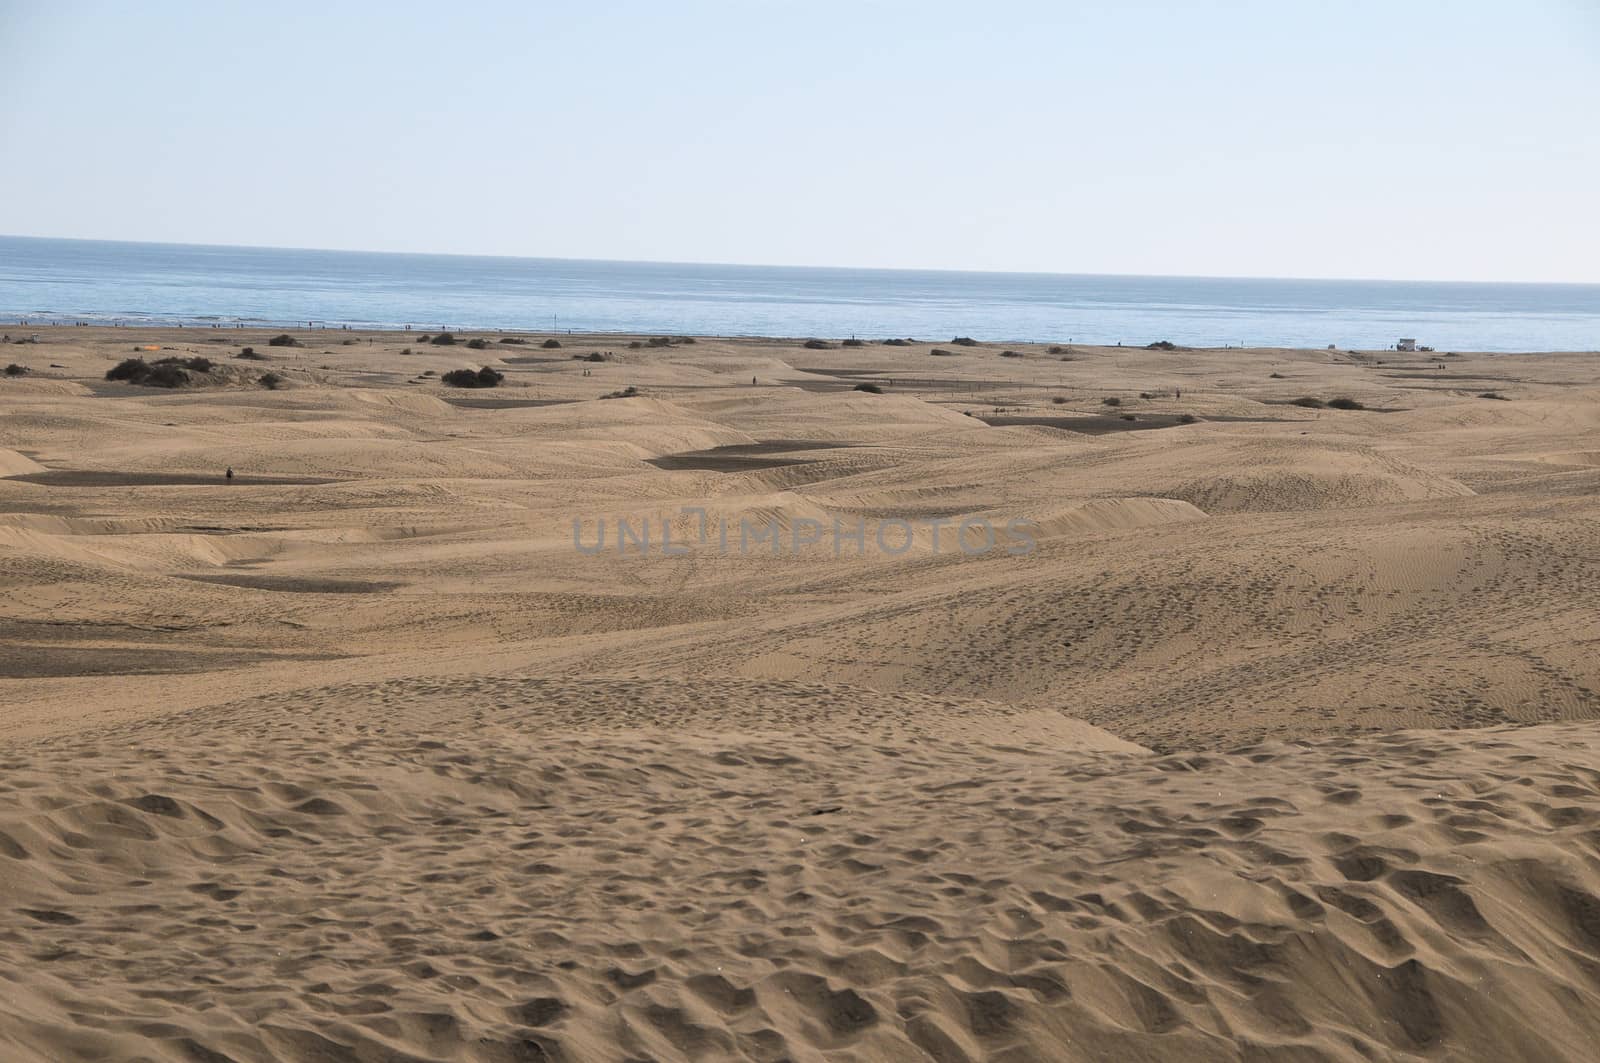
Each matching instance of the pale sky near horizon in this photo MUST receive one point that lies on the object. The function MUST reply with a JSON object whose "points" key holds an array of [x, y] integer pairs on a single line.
{"points": [[1415, 139]]}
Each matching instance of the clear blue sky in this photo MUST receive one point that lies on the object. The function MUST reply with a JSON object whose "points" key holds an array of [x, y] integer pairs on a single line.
{"points": [[1442, 139]]}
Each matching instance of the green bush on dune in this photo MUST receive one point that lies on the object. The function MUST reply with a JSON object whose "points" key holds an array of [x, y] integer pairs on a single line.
{"points": [[127, 369], [199, 365], [165, 374], [467, 378]]}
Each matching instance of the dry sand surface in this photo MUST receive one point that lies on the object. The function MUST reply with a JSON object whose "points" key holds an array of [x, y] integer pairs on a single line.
{"points": [[1279, 744]]}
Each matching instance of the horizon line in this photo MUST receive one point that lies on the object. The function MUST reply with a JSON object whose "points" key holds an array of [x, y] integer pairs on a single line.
{"points": [[777, 265]]}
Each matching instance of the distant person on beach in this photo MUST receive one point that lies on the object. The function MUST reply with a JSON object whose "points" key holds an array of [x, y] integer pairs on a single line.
{"points": [[230, 473]]}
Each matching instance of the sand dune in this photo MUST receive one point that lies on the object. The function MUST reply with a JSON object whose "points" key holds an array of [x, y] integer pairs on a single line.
{"points": [[1279, 743], [14, 464], [493, 869]]}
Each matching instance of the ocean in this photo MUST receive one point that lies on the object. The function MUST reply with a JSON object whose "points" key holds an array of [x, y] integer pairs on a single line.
{"points": [[45, 281]]}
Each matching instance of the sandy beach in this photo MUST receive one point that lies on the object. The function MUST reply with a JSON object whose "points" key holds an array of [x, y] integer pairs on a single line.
{"points": [[968, 702]]}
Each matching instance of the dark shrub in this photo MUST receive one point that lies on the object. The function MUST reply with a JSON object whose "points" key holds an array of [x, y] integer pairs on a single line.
{"points": [[686, 339], [1187, 418], [1129, 417], [551, 345], [1011, 354], [628, 392], [477, 345], [964, 341], [514, 341], [424, 338], [350, 342], [443, 339], [163, 376], [249, 354], [1308, 402], [634, 345], [854, 343], [941, 352], [1147, 394], [871, 389], [283, 340], [1058, 349], [467, 378], [1275, 376], [166, 376], [271, 381], [128, 369], [1059, 400], [405, 350], [1345, 404], [897, 343], [1481, 394], [1112, 401], [817, 345], [1161, 345], [594, 356], [660, 341], [16, 370], [199, 365]]}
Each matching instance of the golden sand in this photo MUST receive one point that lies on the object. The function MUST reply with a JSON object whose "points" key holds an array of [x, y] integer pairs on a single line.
{"points": [[1279, 742]]}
